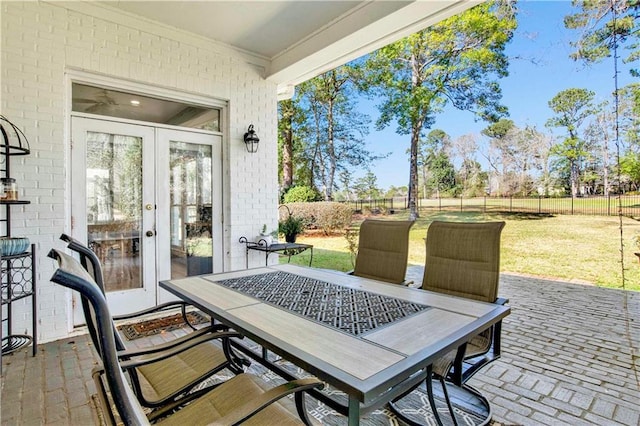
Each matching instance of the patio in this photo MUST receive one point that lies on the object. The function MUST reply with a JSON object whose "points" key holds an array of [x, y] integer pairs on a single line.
{"points": [[570, 356]]}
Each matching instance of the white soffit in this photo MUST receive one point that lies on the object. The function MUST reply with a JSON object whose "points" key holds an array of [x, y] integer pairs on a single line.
{"points": [[355, 35]]}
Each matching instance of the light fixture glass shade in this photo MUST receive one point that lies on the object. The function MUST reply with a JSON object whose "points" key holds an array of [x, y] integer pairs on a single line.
{"points": [[251, 140]]}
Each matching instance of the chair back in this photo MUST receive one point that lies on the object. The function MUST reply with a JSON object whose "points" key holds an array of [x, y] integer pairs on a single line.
{"points": [[71, 274], [88, 259], [92, 266], [463, 259], [383, 249]]}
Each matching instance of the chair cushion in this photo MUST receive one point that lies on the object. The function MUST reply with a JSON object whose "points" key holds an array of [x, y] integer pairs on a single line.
{"points": [[229, 395], [160, 379]]}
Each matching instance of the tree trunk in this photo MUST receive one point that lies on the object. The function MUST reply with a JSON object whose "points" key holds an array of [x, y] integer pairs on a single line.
{"points": [[413, 174], [287, 144], [331, 152]]}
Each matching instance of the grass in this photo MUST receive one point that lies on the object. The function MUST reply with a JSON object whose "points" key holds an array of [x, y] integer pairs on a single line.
{"points": [[577, 248]]}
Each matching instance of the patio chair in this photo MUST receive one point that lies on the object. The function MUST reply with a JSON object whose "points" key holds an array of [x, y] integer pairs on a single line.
{"points": [[91, 262], [383, 249], [178, 366], [244, 398], [463, 259]]}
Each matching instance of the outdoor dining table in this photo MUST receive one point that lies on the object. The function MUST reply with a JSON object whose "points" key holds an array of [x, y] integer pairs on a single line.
{"points": [[369, 339]]}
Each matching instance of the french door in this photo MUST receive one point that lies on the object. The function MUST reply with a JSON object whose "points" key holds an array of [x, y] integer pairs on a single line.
{"points": [[147, 201]]}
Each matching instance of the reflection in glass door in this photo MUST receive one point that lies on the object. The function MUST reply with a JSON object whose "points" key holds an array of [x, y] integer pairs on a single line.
{"points": [[190, 200], [189, 194], [114, 206]]}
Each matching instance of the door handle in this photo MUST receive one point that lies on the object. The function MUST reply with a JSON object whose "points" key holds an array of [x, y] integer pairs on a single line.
{"points": [[150, 233]]}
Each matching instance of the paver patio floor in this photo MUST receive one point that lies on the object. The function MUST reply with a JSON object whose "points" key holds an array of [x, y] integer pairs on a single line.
{"points": [[570, 357]]}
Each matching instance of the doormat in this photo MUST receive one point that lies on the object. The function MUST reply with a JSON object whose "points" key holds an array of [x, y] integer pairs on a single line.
{"points": [[161, 325]]}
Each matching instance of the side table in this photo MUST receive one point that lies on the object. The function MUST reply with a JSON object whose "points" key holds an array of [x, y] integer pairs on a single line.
{"points": [[286, 249]]}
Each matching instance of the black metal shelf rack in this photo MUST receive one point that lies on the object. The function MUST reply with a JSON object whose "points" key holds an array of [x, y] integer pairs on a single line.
{"points": [[17, 271]]}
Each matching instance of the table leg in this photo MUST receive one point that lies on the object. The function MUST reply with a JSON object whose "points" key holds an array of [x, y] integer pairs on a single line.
{"points": [[354, 411]]}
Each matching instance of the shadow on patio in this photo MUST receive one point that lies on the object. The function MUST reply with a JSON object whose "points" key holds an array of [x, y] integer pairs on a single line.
{"points": [[570, 356]]}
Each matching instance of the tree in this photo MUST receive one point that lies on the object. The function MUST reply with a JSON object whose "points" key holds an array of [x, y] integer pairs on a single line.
{"points": [[600, 134], [572, 107], [434, 163], [367, 186], [513, 154], [290, 122], [336, 128], [470, 176], [457, 61], [630, 170], [605, 24], [500, 143]]}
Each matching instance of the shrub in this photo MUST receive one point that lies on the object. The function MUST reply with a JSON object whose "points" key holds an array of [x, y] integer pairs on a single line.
{"points": [[300, 194], [327, 216]]}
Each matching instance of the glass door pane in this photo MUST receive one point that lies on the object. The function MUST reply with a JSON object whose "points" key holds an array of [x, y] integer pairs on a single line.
{"points": [[114, 206], [190, 209]]}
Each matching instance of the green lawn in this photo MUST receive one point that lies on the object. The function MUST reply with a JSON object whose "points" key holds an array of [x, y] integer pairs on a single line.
{"points": [[582, 248]]}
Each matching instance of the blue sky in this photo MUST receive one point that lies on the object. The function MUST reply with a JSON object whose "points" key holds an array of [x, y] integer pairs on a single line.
{"points": [[539, 69]]}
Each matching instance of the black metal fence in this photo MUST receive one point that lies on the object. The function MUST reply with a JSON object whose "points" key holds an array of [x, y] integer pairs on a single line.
{"points": [[629, 205]]}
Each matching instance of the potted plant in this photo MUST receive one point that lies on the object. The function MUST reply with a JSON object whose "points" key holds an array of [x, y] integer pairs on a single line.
{"points": [[291, 227], [265, 237]]}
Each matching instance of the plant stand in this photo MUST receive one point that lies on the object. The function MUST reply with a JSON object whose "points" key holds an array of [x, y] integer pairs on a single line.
{"points": [[286, 249]]}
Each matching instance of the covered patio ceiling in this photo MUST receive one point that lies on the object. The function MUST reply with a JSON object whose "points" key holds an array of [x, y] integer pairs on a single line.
{"points": [[291, 40]]}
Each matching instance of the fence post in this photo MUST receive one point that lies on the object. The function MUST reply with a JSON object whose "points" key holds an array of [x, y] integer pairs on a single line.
{"points": [[571, 202], [460, 202], [539, 204], [510, 203], [608, 204], [439, 203], [485, 203]]}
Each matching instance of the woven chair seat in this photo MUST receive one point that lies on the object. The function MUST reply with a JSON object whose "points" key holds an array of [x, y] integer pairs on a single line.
{"points": [[479, 344], [227, 397], [160, 379]]}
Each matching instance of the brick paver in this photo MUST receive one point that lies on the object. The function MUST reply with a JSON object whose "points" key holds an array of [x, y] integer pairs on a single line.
{"points": [[567, 354], [568, 359]]}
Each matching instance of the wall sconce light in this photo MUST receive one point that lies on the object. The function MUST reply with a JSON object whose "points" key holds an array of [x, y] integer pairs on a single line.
{"points": [[251, 139]]}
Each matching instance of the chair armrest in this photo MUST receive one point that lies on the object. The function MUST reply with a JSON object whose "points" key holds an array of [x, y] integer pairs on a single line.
{"points": [[158, 308], [501, 301], [168, 350], [250, 408]]}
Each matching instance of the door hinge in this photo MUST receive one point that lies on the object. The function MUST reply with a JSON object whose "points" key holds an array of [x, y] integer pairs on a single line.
{"points": [[73, 222]]}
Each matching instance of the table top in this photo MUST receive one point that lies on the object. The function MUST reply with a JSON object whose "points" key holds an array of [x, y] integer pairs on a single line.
{"points": [[364, 364]]}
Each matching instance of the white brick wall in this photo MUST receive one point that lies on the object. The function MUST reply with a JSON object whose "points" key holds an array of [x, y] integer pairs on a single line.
{"points": [[42, 40]]}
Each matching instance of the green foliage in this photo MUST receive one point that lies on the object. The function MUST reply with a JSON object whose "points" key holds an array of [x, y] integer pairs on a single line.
{"points": [[600, 30], [630, 168], [572, 107], [301, 194], [327, 216], [442, 174], [291, 225], [366, 187]]}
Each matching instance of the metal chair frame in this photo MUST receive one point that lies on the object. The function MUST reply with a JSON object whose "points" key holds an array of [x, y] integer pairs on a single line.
{"points": [[70, 274]]}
